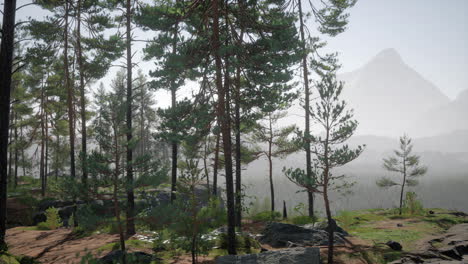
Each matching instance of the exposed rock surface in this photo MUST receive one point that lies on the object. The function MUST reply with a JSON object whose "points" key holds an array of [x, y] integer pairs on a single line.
{"points": [[285, 256], [451, 247], [287, 235]]}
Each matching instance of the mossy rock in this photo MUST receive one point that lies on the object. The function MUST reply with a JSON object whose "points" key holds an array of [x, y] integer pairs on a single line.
{"points": [[6, 258]]}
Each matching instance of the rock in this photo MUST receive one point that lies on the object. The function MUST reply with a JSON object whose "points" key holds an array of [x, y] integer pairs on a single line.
{"points": [[394, 245], [285, 256], [452, 247], [114, 257], [280, 234], [336, 228], [324, 226]]}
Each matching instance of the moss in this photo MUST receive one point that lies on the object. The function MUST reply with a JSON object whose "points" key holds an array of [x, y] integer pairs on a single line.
{"points": [[6, 258]]}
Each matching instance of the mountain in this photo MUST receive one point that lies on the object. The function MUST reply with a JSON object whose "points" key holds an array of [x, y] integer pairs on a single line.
{"points": [[448, 117], [387, 95]]}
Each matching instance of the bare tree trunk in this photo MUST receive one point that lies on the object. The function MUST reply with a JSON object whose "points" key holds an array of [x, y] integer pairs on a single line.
{"points": [[130, 194], [84, 177], [223, 117], [305, 72], [16, 151], [10, 145], [6, 59], [326, 176], [71, 111], [173, 105], [238, 152], [403, 185], [41, 162], [216, 164], [270, 164], [115, 196]]}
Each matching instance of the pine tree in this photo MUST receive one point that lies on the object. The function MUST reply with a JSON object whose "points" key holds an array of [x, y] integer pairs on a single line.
{"points": [[6, 60], [279, 144], [330, 149], [405, 164], [331, 19]]}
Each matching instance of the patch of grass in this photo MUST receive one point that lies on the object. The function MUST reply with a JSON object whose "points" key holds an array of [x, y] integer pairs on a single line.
{"points": [[266, 216], [301, 220]]}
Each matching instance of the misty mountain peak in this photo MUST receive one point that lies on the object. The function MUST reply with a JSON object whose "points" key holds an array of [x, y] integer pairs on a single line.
{"points": [[389, 54], [387, 58]]}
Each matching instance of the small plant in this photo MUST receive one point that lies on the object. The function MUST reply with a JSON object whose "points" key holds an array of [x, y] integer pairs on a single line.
{"points": [[266, 216], [303, 220], [412, 206], [53, 220]]}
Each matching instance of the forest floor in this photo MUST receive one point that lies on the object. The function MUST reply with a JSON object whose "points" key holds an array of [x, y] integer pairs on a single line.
{"points": [[368, 229]]}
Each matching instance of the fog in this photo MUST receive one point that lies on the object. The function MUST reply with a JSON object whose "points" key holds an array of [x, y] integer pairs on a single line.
{"points": [[389, 99]]}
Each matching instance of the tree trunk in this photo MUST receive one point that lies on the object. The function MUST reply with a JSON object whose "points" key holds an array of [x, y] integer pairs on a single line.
{"points": [[84, 177], [305, 72], [69, 87], [41, 162], [16, 151], [46, 155], [403, 185], [216, 164], [130, 194], [270, 165], [330, 222], [6, 59], [285, 211], [238, 153], [173, 105], [326, 175], [10, 145], [223, 117], [115, 196]]}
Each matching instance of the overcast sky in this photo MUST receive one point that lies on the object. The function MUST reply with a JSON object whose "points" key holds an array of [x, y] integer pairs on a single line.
{"points": [[430, 35]]}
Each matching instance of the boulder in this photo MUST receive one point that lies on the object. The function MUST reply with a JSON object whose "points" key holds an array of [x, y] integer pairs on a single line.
{"points": [[115, 257], [282, 235], [286, 256], [394, 245]]}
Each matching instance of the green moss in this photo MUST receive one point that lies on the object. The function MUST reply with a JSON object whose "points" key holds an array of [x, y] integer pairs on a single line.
{"points": [[6, 258]]}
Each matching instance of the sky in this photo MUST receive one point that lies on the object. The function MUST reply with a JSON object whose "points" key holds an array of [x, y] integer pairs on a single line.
{"points": [[430, 35]]}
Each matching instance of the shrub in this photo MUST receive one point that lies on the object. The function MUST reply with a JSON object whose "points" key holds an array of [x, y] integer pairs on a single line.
{"points": [[302, 220], [266, 216], [53, 220], [411, 205]]}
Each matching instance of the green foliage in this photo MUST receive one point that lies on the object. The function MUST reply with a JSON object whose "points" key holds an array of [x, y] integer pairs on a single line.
{"points": [[53, 220], [243, 242], [303, 219], [267, 216], [6, 258], [346, 219], [411, 205]]}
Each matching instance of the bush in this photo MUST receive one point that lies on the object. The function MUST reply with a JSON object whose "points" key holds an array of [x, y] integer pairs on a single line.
{"points": [[266, 216], [411, 205], [53, 220], [302, 220]]}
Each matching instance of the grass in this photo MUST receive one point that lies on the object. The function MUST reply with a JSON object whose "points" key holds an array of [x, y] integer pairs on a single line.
{"points": [[369, 226]]}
